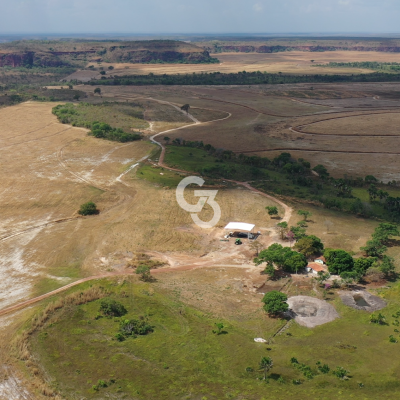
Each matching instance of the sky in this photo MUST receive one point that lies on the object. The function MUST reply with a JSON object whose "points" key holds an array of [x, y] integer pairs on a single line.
{"points": [[200, 16]]}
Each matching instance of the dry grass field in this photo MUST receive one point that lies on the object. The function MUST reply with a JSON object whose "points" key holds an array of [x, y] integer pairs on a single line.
{"points": [[290, 62], [59, 167], [358, 136]]}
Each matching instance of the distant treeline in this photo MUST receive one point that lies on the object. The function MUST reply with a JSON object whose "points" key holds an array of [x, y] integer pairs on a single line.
{"points": [[363, 64], [240, 78]]}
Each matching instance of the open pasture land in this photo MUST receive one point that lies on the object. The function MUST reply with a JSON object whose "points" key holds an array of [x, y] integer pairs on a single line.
{"points": [[362, 125], [183, 358], [50, 169], [290, 62]]}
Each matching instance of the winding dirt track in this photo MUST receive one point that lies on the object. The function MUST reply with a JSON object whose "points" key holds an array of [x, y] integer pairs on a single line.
{"points": [[288, 212]]}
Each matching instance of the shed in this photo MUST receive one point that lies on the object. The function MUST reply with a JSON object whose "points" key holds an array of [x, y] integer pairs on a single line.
{"points": [[320, 260], [240, 226]]}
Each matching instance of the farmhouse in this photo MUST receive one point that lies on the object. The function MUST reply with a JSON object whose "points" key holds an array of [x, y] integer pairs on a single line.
{"points": [[314, 268]]}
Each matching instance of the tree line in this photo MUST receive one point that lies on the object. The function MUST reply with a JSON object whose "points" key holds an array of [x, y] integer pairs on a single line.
{"points": [[240, 78]]}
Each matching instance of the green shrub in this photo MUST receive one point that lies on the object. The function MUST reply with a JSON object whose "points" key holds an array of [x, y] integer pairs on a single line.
{"points": [[340, 372], [88, 208], [133, 327], [112, 308]]}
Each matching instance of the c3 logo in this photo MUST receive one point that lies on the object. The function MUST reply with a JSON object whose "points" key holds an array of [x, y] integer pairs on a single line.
{"points": [[206, 196]]}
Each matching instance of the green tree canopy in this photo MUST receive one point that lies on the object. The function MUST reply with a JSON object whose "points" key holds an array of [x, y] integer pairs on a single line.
{"points": [[338, 261], [370, 179], [88, 208], [112, 308], [385, 231], [374, 248], [266, 365], [298, 232], [361, 265], [282, 229], [309, 245], [272, 210], [273, 254], [387, 266], [294, 262], [305, 214], [275, 302], [321, 171]]}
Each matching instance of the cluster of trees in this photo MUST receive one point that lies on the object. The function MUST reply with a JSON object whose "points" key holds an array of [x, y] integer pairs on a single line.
{"points": [[105, 131], [351, 269], [240, 78], [283, 258], [339, 261]]}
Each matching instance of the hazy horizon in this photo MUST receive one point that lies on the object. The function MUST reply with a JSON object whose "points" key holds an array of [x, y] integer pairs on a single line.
{"points": [[216, 17]]}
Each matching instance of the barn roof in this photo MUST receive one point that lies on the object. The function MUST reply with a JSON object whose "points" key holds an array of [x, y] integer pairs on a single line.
{"points": [[240, 226], [316, 267]]}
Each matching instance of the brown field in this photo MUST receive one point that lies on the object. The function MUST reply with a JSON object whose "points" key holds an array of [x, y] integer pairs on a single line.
{"points": [[291, 62], [59, 167], [354, 138]]}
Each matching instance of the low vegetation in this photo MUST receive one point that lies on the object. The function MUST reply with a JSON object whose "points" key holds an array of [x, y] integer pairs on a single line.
{"points": [[84, 115]]}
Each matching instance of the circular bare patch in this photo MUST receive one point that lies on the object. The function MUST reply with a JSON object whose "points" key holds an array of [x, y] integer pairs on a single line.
{"points": [[310, 312], [362, 300]]}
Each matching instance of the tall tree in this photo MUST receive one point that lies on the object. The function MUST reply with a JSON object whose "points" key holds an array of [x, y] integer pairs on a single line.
{"points": [[282, 229]]}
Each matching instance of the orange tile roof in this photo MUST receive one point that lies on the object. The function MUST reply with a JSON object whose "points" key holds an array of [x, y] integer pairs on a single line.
{"points": [[321, 258], [316, 267]]}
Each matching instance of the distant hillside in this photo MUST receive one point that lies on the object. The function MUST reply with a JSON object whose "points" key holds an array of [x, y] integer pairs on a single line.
{"points": [[78, 53], [309, 45]]}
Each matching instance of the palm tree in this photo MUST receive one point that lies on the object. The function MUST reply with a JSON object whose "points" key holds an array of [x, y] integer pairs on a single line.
{"points": [[266, 364]]}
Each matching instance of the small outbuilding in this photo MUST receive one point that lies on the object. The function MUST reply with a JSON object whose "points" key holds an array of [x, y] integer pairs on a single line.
{"points": [[314, 268], [240, 229], [320, 260]]}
